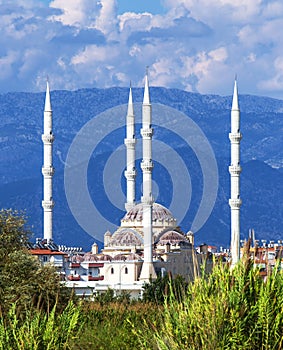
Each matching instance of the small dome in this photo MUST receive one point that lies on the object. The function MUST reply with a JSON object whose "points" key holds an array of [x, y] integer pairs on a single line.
{"points": [[126, 237], [103, 257], [172, 237], [159, 213], [90, 257], [77, 259], [119, 257], [134, 256]]}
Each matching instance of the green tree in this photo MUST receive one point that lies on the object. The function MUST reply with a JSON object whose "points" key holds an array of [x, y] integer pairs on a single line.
{"points": [[22, 278], [164, 287]]}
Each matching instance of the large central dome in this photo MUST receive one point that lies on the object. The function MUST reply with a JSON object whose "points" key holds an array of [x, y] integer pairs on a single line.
{"points": [[159, 213]]}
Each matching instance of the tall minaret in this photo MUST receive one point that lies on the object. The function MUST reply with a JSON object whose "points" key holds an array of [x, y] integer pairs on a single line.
{"points": [[47, 169], [235, 169], [147, 271], [130, 142]]}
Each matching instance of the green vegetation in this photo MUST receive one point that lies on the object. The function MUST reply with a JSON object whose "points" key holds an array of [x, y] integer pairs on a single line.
{"points": [[227, 309], [22, 278]]}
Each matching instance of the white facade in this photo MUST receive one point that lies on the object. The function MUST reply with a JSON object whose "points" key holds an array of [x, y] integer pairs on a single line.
{"points": [[47, 169], [235, 170]]}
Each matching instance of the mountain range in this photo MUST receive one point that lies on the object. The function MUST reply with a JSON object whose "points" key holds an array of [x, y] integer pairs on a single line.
{"points": [[21, 157]]}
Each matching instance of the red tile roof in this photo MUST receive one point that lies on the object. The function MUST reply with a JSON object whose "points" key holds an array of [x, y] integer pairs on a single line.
{"points": [[45, 252]]}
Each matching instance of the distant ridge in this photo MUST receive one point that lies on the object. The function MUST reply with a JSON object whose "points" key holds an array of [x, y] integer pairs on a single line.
{"points": [[21, 123]]}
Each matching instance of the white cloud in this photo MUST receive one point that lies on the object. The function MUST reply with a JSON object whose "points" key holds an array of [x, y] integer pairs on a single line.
{"points": [[6, 64], [196, 45], [78, 13], [93, 54], [106, 20], [275, 83], [211, 11]]}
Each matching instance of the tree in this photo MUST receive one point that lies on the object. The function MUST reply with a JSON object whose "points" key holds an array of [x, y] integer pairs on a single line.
{"points": [[22, 278], [164, 287]]}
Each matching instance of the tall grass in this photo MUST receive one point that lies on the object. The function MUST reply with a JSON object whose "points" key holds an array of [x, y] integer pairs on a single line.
{"points": [[228, 309], [38, 330], [109, 325]]}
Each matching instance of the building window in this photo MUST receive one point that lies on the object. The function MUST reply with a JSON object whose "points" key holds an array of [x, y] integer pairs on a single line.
{"points": [[112, 270], [44, 258], [126, 270]]}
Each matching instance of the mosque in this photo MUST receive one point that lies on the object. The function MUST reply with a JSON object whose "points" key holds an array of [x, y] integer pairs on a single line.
{"points": [[148, 241]]}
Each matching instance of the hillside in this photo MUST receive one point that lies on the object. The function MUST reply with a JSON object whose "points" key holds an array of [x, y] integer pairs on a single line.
{"points": [[21, 123]]}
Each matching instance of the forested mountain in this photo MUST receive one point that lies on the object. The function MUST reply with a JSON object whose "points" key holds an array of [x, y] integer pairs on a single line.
{"points": [[21, 125]]}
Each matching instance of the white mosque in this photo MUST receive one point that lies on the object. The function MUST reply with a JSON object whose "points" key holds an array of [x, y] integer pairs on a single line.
{"points": [[148, 242]]}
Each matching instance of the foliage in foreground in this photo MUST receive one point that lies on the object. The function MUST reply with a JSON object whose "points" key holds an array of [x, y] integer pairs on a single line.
{"points": [[22, 278], [38, 330], [225, 310]]}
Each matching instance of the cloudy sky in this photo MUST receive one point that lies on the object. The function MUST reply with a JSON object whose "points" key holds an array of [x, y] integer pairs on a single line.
{"points": [[194, 45]]}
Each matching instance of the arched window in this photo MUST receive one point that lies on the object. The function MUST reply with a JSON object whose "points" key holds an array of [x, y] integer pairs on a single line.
{"points": [[126, 270], [112, 270]]}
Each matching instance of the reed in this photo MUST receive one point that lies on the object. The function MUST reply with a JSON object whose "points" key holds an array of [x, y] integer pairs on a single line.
{"points": [[38, 330], [228, 309]]}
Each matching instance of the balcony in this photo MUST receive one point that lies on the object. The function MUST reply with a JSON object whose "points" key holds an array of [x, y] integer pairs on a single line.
{"points": [[74, 264], [95, 265], [74, 278], [95, 278]]}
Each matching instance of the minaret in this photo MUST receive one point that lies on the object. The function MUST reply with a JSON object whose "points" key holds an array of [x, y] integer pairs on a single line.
{"points": [[147, 271], [235, 169], [47, 169], [130, 143]]}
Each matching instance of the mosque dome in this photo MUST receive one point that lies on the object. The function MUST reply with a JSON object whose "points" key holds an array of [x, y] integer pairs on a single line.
{"points": [[172, 237], [159, 213], [126, 237]]}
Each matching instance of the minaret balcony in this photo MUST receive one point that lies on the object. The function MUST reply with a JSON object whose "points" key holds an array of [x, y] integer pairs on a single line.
{"points": [[235, 203], [235, 137], [147, 166], [130, 143], [130, 174], [48, 205], [147, 132], [235, 169], [48, 171], [47, 138]]}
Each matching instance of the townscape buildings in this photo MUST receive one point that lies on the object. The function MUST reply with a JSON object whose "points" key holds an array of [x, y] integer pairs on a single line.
{"points": [[148, 241]]}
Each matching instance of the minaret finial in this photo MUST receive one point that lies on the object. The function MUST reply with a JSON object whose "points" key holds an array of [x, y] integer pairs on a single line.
{"points": [[235, 101], [47, 106], [146, 99]]}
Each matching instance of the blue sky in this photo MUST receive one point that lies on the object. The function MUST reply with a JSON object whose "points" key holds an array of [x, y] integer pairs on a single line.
{"points": [[152, 6], [194, 45]]}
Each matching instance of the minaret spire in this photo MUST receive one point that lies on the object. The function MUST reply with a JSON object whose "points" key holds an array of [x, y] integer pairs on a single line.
{"points": [[147, 271], [235, 170], [130, 143], [47, 169]]}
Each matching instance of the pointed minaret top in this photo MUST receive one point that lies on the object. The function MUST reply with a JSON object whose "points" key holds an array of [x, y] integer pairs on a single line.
{"points": [[130, 103], [146, 99], [47, 107], [235, 103]]}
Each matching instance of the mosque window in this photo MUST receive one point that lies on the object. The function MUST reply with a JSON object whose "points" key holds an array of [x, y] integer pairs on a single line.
{"points": [[112, 270], [126, 270]]}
